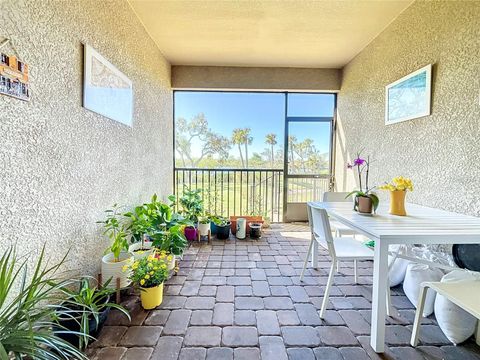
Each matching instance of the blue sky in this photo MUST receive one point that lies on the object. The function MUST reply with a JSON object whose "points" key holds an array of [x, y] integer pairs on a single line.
{"points": [[262, 112]]}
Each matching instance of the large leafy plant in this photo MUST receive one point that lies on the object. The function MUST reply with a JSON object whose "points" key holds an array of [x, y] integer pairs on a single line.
{"points": [[362, 168], [26, 311], [86, 303], [192, 203], [171, 240], [116, 231]]}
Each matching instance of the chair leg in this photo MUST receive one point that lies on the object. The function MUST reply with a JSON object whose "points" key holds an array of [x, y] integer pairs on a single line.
{"points": [[418, 316], [305, 262], [477, 333], [327, 290], [355, 271], [338, 266], [389, 302]]}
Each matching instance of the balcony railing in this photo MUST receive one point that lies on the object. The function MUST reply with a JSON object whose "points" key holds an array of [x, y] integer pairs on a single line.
{"points": [[236, 191], [249, 191]]}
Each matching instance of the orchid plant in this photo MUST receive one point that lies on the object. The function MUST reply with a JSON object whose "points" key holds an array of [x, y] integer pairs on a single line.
{"points": [[362, 168]]}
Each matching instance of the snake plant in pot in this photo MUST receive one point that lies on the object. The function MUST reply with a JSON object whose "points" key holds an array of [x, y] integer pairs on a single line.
{"points": [[365, 201], [117, 254]]}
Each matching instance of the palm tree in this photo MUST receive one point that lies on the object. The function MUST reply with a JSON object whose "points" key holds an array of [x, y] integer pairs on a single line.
{"points": [[242, 137], [292, 141], [271, 139], [237, 139]]}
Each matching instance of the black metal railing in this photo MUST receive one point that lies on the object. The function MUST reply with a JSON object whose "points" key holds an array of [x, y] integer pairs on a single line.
{"points": [[229, 192]]}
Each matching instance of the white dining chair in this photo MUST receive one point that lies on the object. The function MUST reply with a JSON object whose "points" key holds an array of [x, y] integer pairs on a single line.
{"points": [[343, 248], [336, 226], [464, 294]]}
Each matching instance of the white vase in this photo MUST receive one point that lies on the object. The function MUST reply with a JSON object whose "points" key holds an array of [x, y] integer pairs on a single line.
{"points": [[114, 270], [140, 255], [203, 229]]}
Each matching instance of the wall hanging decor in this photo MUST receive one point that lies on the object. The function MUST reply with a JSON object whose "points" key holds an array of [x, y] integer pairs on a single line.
{"points": [[106, 90], [13, 75], [409, 97]]}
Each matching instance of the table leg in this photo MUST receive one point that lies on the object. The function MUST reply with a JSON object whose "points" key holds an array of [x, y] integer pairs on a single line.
{"points": [[315, 255], [380, 283]]}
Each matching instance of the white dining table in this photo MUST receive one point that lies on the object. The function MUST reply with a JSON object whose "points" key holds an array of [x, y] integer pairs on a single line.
{"points": [[422, 225]]}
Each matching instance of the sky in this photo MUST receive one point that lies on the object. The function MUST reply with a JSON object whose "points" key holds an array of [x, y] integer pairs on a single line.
{"points": [[262, 112]]}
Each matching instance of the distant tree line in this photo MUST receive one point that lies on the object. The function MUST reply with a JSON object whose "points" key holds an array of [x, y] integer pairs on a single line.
{"points": [[215, 149]]}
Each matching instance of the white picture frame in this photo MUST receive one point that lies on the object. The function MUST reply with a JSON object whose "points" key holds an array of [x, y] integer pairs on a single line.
{"points": [[409, 97], [106, 90]]}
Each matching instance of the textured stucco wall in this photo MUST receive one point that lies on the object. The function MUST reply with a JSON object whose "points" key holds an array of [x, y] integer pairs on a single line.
{"points": [[60, 164], [439, 152], [255, 78]]}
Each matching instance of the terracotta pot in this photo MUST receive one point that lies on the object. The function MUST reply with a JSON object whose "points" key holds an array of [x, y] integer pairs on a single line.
{"points": [[365, 205], [397, 202], [249, 219]]}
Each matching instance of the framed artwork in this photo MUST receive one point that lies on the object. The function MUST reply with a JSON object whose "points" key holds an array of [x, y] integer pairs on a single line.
{"points": [[106, 90], [409, 97], [14, 77]]}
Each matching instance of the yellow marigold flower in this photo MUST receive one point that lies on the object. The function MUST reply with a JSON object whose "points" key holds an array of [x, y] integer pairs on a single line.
{"points": [[170, 257], [147, 277], [125, 268], [163, 266], [152, 272], [150, 265], [142, 282], [155, 268]]}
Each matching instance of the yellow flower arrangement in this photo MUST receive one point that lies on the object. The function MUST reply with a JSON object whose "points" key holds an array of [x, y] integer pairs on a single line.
{"points": [[148, 272], [398, 184]]}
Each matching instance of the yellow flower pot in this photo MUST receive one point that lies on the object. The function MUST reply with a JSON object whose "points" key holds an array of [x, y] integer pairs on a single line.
{"points": [[151, 297], [397, 202]]}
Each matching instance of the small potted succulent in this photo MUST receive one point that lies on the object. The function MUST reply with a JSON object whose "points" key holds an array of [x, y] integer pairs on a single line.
{"points": [[365, 201], [83, 312], [117, 255], [149, 273], [221, 227]]}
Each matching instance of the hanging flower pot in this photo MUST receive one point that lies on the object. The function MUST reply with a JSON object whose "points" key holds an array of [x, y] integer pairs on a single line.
{"points": [[151, 297]]}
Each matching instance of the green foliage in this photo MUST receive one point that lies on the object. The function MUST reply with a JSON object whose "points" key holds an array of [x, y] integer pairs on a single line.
{"points": [[220, 220], [150, 271], [84, 304], [172, 240], [25, 321], [192, 204], [204, 220], [116, 231], [148, 218]]}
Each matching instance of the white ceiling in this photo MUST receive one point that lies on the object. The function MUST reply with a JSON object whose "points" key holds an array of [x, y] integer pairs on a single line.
{"points": [[302, 33]]}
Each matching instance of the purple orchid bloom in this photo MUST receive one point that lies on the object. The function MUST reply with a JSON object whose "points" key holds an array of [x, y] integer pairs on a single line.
{"points": [[358, 162]]}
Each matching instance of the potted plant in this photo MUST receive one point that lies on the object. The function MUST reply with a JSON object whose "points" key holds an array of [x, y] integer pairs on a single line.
{"points": [[149, 274], [192, 208], [365, 201], [117, 254], [170, 242], [83, 312], [398, 190], [221, 227], [204, 226], [26, 324], [255, 230]]}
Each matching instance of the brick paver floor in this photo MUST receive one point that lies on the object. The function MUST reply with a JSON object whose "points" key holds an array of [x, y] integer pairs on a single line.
{"points": [[242, 299]]}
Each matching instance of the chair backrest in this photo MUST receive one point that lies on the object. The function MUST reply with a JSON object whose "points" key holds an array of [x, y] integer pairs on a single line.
{"points": [[320, 228], [330, 196]]}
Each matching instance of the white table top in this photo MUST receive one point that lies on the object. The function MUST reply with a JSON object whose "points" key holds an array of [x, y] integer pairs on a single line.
{"points": [[421, 225]]}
